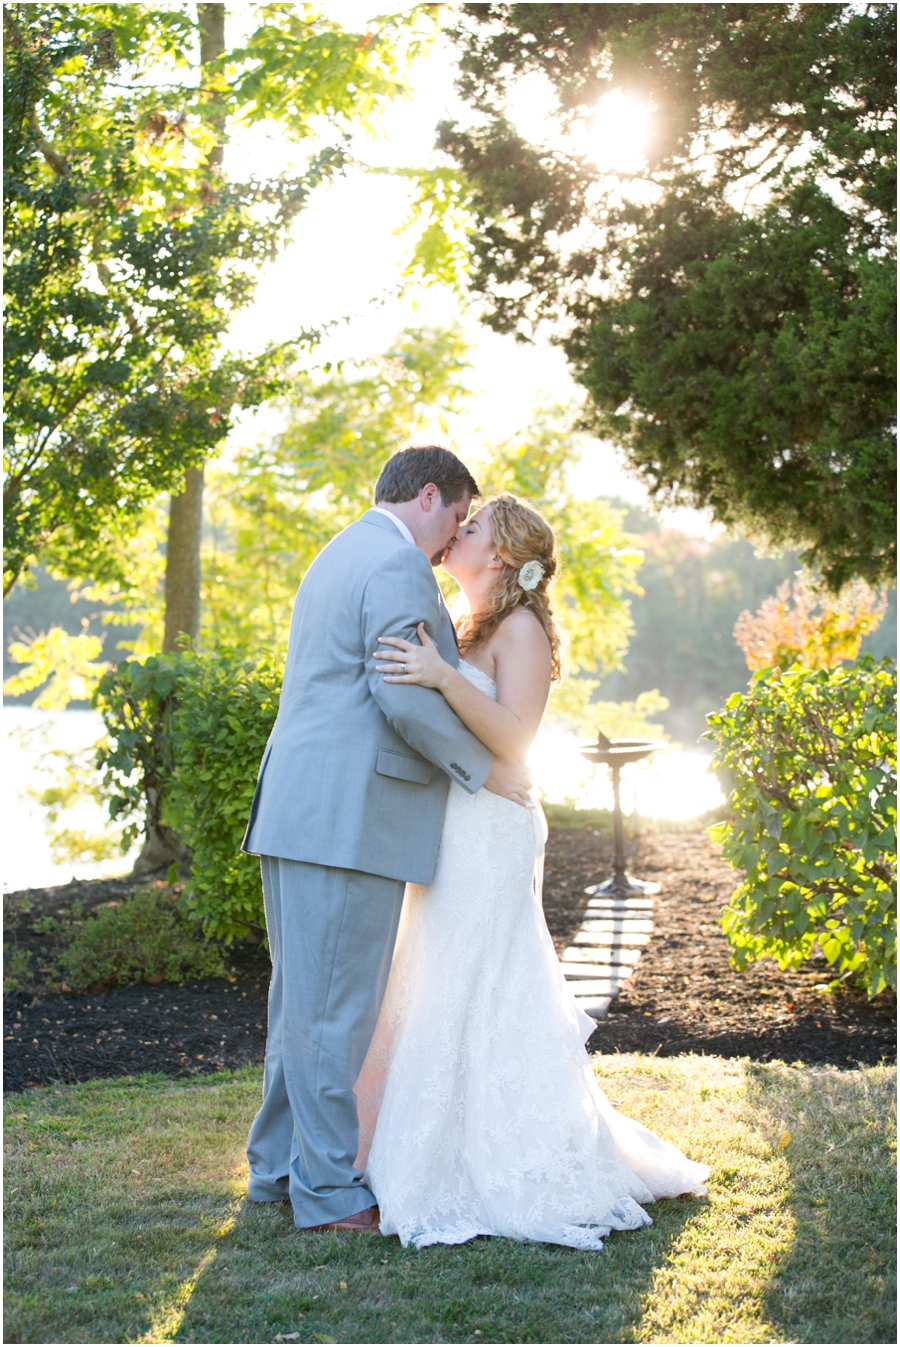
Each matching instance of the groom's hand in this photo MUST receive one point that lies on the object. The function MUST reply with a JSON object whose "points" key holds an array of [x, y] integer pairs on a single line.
{"points": [[512, 780]]}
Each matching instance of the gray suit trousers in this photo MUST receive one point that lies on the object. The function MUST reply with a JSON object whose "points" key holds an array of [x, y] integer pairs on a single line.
{"points": [[331, 935]]}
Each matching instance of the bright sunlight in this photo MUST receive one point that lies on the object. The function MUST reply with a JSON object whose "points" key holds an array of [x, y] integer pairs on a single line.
{"points": [[672, 784], [618, 132]]}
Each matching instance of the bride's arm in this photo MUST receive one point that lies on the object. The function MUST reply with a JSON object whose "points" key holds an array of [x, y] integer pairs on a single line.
{"points": [[522, 656]]}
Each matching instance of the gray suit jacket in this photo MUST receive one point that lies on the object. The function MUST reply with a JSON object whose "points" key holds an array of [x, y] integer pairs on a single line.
{"points": [[356, 770]]}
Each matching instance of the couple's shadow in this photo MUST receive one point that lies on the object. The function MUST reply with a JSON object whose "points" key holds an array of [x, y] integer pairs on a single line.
{"points": [[267, 1282]]}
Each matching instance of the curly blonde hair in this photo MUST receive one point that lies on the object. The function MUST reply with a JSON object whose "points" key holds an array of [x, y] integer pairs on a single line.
{"points": [[520, 534]]}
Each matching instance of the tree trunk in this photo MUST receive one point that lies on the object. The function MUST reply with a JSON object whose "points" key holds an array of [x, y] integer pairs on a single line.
{"points": [[212, 45], [161, 849], [183, 563], [183, 574], [186, 510]]}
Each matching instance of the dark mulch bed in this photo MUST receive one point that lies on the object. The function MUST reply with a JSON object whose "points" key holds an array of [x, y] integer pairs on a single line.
{"points": [[682, 998], [179, 1030]]}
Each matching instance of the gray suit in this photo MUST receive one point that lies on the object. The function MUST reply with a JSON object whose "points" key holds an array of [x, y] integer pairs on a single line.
{"points": [[349, 805]]}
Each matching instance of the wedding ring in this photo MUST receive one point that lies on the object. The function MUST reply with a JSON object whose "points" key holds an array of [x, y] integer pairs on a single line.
{"points": [[403, 668]]}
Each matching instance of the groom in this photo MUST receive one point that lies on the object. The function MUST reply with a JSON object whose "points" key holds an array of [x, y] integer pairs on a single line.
{"points": [[348, 807]]}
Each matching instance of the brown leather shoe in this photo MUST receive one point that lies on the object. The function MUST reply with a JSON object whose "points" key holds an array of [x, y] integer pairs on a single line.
{"points": [[361, 1223]]}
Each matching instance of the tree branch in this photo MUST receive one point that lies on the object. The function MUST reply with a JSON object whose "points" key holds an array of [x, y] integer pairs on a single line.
{"points": [[107, 279], [58, 162]]}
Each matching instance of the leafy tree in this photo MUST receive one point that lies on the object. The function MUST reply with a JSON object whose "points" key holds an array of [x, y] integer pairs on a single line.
{"points": [[270, 510], [599, 562], [276, 504], [693, 591], [729, 304], [39, 603], [129, 251], [71, 663], [274, 507], [801, 625], [182, 617]]}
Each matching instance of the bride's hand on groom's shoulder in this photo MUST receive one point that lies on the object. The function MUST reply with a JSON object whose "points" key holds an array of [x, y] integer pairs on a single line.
{"points": [[405, 662]]}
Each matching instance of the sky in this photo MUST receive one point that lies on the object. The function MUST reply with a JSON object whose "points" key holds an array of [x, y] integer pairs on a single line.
{"points": [[344, 262]]}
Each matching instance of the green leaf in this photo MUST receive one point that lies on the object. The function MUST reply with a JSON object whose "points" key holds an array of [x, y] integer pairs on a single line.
{"points": [[812, 854]]}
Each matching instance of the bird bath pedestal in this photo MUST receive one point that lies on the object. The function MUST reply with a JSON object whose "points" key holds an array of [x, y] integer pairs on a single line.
{"points": [[615, 753]]}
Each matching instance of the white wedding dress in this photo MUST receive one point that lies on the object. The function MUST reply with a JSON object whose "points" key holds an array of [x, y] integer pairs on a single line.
{"points": [[479, 1110]]}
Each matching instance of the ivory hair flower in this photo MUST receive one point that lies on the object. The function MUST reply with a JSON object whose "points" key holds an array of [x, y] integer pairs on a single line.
{"points": [[531, 574]]}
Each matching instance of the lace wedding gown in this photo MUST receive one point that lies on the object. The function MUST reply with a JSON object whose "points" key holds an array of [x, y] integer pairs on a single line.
{"points": [[479, 1110]]}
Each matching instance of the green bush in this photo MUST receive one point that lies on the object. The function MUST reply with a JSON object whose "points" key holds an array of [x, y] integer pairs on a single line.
{"points": [[17, 973], [226, 703], [136, 701], [142, 939], [809, 761], [188, 733]]}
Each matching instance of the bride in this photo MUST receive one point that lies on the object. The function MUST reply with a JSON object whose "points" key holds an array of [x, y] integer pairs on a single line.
{"points": [[479, 1110]]}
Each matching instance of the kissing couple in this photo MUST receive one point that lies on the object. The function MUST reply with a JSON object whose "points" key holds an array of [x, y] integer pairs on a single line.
{"points": [[425, 1065]]}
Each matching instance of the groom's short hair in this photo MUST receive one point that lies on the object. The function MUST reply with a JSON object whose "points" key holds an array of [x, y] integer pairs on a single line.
{"points": [[407, 471]]}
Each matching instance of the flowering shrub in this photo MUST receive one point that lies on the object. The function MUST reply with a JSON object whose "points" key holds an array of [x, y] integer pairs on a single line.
{"points": [[803, 624], [808, 758]]}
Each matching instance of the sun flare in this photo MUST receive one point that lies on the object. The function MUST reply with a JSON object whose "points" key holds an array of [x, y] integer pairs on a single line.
{"points": [[619, 131], [673, 784]]}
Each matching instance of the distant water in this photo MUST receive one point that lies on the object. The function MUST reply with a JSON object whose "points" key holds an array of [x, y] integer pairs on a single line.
{"points": [[27, 859], [672, 785]]}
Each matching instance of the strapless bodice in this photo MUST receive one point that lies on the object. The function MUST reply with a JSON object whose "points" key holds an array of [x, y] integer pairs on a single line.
{"points": [[479, 679]]}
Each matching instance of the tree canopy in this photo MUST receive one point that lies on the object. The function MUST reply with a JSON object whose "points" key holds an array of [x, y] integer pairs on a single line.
{"points": [[275, 505], [272, 506], [128, 251], [729, 302]]}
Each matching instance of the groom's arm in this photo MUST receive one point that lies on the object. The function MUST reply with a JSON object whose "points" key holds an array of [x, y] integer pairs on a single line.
{"points": [[401, 593]]}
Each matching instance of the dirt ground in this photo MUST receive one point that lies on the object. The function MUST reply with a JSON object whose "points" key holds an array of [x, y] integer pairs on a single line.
{"points": [[683, 997]]}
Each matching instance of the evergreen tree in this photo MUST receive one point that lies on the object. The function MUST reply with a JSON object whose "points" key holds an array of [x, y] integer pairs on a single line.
{"points": [[729, 303]]}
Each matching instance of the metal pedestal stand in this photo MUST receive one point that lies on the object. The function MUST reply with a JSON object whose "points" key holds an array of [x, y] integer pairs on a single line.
{"points": [[615, 753]]}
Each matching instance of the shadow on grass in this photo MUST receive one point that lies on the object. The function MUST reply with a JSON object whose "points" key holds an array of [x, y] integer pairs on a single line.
{"points": [[837, 1282], [267, 1279]]}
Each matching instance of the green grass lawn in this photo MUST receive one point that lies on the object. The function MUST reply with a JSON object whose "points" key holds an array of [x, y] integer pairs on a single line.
{"points": [[126, 1222]]}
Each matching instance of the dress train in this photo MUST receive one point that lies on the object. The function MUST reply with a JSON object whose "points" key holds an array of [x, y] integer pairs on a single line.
{"points": [[479, 1110]]}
